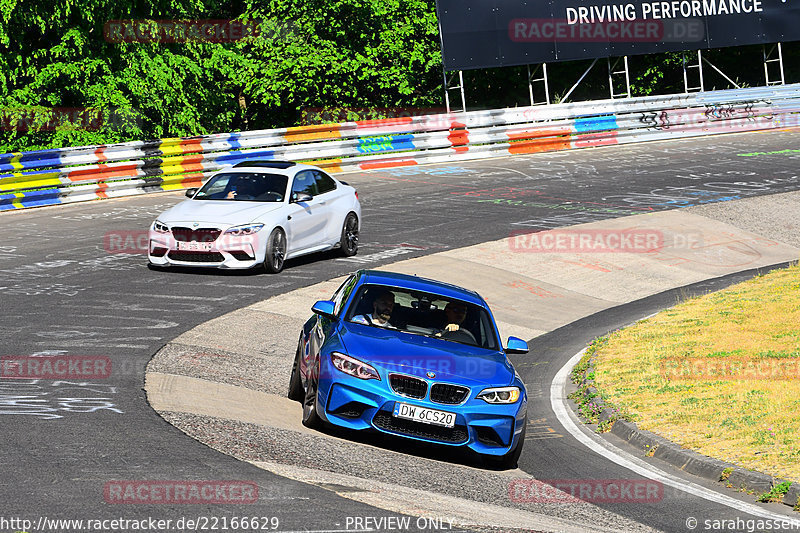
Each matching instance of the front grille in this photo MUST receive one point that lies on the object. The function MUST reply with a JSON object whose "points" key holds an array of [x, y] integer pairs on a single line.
{"points": [[450, 394], [196, 257], [241, 255], [196, 235], [408, 386], [385, 421]]}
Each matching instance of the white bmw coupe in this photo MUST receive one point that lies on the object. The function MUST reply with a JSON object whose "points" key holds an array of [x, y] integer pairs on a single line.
{"points": [[257, 213]]}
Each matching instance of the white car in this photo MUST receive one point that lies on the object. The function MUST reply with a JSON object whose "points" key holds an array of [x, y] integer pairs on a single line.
{"points": [[257, 213]]}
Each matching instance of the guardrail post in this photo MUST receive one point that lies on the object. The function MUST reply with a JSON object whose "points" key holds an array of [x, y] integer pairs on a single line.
{"points": [[768, 58], [612, 73], [686, 67], [543, 80], [449, 87]]}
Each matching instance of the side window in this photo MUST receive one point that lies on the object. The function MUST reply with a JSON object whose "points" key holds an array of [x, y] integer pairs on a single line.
{"points": [[324, 182], [343, 293], [304, 182]]}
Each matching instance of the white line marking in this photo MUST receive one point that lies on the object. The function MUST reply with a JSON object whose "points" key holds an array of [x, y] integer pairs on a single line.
{"points": [[570, 421]]}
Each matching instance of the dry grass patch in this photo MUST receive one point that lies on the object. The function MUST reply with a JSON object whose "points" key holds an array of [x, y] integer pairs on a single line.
{"points": [[748, 417]]}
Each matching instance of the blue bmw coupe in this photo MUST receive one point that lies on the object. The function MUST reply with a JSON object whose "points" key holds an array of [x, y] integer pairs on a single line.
{"points": [[415, 358]]}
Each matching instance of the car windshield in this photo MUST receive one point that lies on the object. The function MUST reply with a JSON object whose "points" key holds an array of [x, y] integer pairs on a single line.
{"points": [[244, 186], [423, 313]]}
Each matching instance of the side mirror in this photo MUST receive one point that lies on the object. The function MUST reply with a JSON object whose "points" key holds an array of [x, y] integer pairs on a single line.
{"points": [[324, 308], [516, 345], [191, 192], [298, 197]]}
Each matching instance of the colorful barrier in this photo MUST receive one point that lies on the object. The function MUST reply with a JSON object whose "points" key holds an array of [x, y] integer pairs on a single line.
{"points": [[65, 175]]}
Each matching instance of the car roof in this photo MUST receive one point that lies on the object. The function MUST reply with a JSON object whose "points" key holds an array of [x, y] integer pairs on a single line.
{"points": [[395, 279], [286, 168]]}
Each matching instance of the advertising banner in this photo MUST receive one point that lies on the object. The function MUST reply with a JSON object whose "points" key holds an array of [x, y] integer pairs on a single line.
{"points": [[498, 33]]}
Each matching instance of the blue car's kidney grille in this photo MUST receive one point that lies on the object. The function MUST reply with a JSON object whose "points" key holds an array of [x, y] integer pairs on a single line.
{"points": [[449, 394], [385, 421], [408, 386]]}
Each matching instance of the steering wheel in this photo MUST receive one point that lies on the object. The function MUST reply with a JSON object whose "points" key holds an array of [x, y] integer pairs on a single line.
{"points": [[460, 335], [272, 196]]}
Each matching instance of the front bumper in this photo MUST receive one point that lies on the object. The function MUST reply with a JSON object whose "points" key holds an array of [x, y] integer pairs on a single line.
{"points": [[226, 252], [369, 405]]}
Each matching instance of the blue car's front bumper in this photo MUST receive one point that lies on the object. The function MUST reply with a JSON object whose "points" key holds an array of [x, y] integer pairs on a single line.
{"points": [[353, 403]]}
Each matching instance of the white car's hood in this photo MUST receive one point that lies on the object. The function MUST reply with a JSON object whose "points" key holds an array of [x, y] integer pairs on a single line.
{"points": [[220, 212]]}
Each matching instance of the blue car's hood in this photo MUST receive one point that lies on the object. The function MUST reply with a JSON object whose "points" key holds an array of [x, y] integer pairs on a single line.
{"points": [[395, 351]]}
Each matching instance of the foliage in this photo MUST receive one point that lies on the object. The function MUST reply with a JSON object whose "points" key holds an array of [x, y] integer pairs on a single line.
{"points": [[776, 493], [307, 54]]}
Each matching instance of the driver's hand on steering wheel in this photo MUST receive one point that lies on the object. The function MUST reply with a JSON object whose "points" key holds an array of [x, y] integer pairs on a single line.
{"points": [[452, 327]]}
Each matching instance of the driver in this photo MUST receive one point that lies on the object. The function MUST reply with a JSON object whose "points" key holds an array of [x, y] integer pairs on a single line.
{"points": [[243, 190], [382, 308], [455, 313]]}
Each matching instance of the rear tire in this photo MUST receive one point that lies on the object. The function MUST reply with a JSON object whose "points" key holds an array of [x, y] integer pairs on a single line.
{"points": [[276, 251], [349, 241], [296, 391]]}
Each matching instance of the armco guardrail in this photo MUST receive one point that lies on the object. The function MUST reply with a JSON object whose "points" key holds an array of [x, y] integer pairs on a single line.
{"points": [[64, 175]]}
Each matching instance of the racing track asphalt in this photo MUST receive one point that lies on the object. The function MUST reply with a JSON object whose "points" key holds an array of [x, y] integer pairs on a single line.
{"points": [[65, 292]]}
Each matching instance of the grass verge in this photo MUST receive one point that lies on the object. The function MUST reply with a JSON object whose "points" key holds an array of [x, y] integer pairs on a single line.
{"points": [[719, 374]]}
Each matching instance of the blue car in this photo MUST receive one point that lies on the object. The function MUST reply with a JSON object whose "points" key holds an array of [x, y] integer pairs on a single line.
{"points": [[414, 358]]}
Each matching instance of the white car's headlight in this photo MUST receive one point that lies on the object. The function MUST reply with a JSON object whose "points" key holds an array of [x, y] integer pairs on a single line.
{"points": [[248, 229], [354, 367], [160, 227], [500, 395]]}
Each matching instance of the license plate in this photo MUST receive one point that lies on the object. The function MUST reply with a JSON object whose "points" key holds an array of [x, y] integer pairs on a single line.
{"points": [[424, 415], [193, 246]]}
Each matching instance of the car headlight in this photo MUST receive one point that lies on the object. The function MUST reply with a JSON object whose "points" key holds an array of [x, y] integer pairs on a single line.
{"points": [[160, 227], [500, 395], [248, 229], [353, 367]]}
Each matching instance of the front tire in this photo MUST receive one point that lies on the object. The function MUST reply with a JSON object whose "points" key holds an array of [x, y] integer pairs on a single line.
{"points": [[311, 418], [349, 241], [276, 251]]}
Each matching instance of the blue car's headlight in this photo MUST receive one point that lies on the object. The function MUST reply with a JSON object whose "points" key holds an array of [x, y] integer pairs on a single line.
{"points": [[160, 227], [500, 395], [248, 229], [353, 367]]}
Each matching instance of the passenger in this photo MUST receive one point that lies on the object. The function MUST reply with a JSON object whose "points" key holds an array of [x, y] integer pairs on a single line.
{"points": [[382, 308]]}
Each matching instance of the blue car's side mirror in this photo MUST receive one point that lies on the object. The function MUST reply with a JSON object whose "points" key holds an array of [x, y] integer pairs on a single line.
{"points": [[324, 308], [516, 345]]}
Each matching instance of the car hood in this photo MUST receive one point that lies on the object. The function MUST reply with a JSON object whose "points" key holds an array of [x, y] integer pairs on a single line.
{"points": [[218, 211], [396, 351]]}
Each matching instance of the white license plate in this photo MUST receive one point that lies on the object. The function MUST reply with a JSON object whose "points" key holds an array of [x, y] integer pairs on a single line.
{"points": [[424, 415], [193, 246]]}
